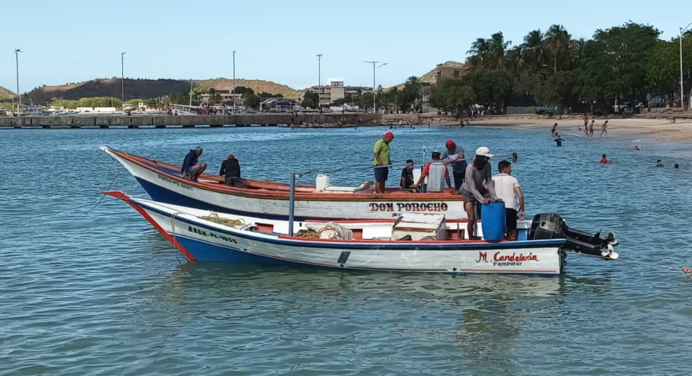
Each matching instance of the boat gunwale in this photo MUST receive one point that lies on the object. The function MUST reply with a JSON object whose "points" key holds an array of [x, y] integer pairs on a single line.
{"points": [[282, 195]]}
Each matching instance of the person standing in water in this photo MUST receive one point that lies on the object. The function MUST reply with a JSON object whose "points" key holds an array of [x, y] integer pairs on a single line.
{"points": [[591, 128], [604, 129], [554, 130]]}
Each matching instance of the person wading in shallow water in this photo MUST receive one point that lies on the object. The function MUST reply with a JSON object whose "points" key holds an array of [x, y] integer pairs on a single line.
{"points": [[478, 187]]}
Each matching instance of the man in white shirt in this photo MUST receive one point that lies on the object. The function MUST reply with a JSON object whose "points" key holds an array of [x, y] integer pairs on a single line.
{"points": [[506, 187]]}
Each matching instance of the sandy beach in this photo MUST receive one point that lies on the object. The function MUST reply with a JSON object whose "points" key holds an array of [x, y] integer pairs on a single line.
{"points": [[659, 126]]}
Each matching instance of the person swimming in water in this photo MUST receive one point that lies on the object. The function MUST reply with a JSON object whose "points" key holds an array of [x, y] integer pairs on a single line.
{"points": [[558, 140], [605, 159], [659, 163]]}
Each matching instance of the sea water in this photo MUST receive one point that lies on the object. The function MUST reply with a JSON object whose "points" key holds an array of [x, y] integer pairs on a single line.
{"points": [[87, 287]]}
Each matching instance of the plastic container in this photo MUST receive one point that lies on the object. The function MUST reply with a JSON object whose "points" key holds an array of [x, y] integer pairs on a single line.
{"points": [[321, 183], [493, 221]]}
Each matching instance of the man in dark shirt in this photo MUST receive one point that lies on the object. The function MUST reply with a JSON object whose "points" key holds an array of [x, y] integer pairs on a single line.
{"points": [[230, 168], [407, 175], [191, 169]]}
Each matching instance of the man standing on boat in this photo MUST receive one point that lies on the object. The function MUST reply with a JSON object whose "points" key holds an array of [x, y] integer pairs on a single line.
{"points": [[508, 190], [230, 170], [478, 187], [382, 161], [191, 169], [456, 154]]}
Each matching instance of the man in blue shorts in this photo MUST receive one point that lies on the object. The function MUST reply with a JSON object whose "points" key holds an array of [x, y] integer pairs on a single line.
{"points": [[382, 161]]}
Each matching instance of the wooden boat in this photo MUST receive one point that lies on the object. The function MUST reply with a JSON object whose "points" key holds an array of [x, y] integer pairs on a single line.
{"points": [[365, 244], [266, 199]]}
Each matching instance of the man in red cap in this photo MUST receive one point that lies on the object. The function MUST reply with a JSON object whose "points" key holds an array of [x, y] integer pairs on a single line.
{"points": [[230, 169], [455, 153], [382, 161]]}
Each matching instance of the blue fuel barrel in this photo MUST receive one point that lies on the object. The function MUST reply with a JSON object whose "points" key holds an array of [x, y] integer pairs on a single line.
{"points": [[493, 221]]}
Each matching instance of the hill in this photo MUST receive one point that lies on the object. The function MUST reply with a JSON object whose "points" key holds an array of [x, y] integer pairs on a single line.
{"points": [[6, 95], [143, 88], [431, 76]]}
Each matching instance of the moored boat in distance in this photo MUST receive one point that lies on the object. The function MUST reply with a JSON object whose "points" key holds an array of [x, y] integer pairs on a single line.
{"points": [[410, 243], [267, 199]]}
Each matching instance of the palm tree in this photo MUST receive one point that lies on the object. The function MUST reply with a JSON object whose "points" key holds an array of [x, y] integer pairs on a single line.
{"points": [[480, 50], [513, 60], [558, 42], [498, 47], [533, 50]]}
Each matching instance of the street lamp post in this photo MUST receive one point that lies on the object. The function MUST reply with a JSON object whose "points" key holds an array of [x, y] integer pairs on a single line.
{"points": [[234, 82], [122, 79], [19, 97], [319, 80], [682, 88], [374, 92]]}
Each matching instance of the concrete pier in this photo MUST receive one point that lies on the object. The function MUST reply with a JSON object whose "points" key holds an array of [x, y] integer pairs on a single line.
{"points": [[193, 121]]}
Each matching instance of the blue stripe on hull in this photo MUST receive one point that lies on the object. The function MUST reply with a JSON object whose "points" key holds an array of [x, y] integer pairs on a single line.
{"points": [[206, 252], [158, 193]]}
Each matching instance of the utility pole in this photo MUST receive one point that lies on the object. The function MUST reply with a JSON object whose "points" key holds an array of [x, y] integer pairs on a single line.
{"points": [[19, 97], [319, 80], [234, 82], [682, 88], [374, 88], [122, 79]]}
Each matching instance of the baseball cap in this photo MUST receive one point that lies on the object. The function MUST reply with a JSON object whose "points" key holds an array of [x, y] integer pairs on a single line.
{"points": [[450, 144], [409, 161], [483, 152], [388, 135]]}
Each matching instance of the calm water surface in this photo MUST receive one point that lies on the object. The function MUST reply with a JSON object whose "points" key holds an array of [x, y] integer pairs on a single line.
{"points": [[104, 294]]}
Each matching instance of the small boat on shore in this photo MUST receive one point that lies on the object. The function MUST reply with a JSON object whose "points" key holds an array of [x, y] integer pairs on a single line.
{"points": [[409, 243], [268, 199]]}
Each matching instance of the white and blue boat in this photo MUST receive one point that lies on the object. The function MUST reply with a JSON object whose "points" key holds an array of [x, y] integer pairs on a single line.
{"points": [[410, 243]]}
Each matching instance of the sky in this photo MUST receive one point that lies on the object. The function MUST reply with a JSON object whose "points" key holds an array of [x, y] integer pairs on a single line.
{"points": [[74, 41]]}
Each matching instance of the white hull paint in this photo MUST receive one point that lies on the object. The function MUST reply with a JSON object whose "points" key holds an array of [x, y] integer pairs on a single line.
{"points": [[202, 240], [317, 206]]}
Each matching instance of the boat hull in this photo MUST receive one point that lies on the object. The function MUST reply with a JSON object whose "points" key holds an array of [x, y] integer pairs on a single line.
{"points": [[202, 240], [164, 184]]}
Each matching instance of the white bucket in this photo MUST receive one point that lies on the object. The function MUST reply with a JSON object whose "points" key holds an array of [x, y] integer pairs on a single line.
{"points": [[321, 183]]}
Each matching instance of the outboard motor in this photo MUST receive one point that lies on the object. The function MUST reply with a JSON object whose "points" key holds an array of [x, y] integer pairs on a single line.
{"points": [[551, 226]]}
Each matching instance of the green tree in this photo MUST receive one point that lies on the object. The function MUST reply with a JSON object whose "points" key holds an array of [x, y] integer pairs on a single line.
{"points": [[615, 63], [310, 100], [453, 95], [411, 93], [491, 87]]}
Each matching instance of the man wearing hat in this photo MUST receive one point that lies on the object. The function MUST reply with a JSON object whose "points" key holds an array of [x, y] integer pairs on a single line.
{"points": [[407, 175], [230, 169], [455, 153], [478, 187], [382, 161]]}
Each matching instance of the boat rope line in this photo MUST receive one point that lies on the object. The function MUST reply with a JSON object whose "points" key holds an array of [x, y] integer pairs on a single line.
{"points": [[102, 195], [58, 212], [175, 241]]}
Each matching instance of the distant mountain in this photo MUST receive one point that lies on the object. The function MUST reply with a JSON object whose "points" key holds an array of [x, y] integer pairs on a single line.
{"points": [[431, 77], [143, 88], [6, 95]]}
